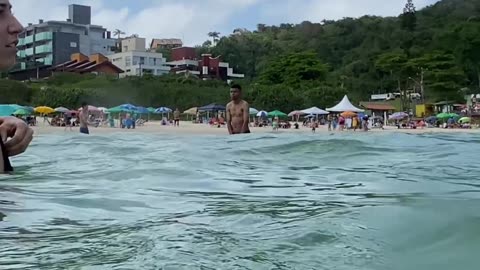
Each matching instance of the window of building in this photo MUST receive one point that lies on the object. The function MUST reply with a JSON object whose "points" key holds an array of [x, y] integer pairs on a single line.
{"points": [[128, 61], [142, 60], [136, 59], [151, 61]]}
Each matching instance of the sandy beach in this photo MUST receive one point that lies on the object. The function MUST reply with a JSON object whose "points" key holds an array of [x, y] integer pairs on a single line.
{"points": [[188, 128]]}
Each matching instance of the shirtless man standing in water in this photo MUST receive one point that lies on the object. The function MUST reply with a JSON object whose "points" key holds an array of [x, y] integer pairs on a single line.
{"points": [[237, 112], [83, 117]]}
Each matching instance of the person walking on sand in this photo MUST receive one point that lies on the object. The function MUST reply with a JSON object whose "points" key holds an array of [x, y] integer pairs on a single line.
{"points": [[176, 118], [237, 112]]}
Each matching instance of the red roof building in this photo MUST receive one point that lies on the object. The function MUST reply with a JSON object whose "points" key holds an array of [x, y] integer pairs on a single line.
{"points": [[185, 60], [80, 63]]}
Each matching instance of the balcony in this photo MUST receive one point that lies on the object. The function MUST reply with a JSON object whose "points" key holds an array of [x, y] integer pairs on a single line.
{"points": [[28, 40], [21, 54], [29, 52], [47, 48], [21, 42], [44, 36]]}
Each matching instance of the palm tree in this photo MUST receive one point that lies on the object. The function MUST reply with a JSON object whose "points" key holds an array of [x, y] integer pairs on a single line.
{"points": [[118, 33], [215, 36]]}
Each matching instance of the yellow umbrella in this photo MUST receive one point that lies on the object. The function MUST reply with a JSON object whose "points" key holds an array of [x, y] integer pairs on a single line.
{"points": [[348, 114], [44, 110]]}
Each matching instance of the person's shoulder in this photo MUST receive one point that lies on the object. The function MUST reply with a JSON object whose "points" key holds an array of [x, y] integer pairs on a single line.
{"points": [[230, 104], [244, 103]]}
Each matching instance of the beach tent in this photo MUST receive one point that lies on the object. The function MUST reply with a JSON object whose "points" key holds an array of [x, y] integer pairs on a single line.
{"points": [[295, 113], [344, 106], [253, 111], [212, 108], [315, 111]]}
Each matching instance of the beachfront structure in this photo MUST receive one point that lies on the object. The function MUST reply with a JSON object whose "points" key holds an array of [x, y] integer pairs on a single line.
{"points": [[344, 106], [185, 60], [97, 64], [165, 43], [134, 59], [50, 43], [378, 108]]}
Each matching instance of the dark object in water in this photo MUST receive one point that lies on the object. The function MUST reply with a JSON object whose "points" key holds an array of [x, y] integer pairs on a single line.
{"points": [[7, 167]]}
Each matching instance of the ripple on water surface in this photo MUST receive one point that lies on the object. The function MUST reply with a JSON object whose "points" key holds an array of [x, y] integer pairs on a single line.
{"points": [[343, 201]]}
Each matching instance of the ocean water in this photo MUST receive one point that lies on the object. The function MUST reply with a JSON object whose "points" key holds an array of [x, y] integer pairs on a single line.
{"points": [[262, 201]]}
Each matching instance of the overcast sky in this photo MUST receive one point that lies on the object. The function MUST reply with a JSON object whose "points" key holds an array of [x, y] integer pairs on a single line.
{"points": [[191, 20]]}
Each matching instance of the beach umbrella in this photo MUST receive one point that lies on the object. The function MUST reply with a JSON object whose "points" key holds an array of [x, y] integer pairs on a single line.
{"points": [[277, 113], [191, 111], [102, 109], [151, 110], [398, 116], [309, 116], [163, 110], [431, 119], [142, 110], [22, 111], [262, 114], [212, 108], [454, 115], [443, 116], [44, 110], [348, 114], [61, 110], [128, 107], [465, 120], [117, 109], [315, 111], [295, 113], [30, 108], [8, 109], [253, 111]]}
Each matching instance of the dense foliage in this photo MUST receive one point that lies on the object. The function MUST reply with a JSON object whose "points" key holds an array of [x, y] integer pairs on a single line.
{"points": [[309, 64]]}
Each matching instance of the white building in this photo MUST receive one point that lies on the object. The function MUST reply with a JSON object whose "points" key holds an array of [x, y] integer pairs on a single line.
{"points": [[136, 61]]}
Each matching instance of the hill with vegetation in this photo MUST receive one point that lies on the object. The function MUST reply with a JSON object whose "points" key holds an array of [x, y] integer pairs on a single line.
{"points": [[293, 66]]}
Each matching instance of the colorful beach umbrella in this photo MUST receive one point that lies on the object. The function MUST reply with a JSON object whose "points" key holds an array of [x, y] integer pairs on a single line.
{"points": [[348, 114], [443, 116], [129, 107], [277, 113], [465, 120], [22, 111], [262, 114], [142, 110], [252, 111], [398, 116], [151, 110], [62, 110], [44, 110], [163, 110]]}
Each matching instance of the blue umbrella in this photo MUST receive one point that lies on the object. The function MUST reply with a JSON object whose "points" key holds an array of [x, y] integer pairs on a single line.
{"points": [[163, 110], [128, 107], [142, 110], [9, 109], [212, 108]]}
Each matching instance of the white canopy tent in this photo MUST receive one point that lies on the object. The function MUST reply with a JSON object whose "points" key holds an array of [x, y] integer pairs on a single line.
{"points": [[344, 106], [314, 111]]}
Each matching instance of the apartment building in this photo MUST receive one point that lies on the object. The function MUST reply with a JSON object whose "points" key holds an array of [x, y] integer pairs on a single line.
{"points": [[135, 60], [50, 43]]}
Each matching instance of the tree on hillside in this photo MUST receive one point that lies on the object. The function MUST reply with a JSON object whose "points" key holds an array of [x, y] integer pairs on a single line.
{"points": [[409, 17]]}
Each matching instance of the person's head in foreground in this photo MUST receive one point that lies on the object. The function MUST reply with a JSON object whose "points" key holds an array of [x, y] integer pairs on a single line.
{"points": [[9, 30], [236, 92], [84, 104]]}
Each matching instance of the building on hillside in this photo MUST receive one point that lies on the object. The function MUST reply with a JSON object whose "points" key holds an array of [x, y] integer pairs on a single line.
{"points": [[136, 61], [381, 109], [96, 64], [50, 43], [185, 60], [165, 43]]}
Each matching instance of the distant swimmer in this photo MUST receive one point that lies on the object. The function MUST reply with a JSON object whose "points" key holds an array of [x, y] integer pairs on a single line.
{"points": [[83, 117], [238, 112]]}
